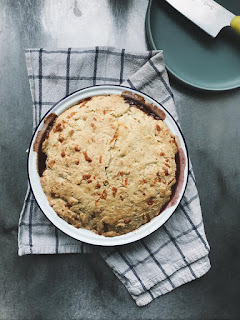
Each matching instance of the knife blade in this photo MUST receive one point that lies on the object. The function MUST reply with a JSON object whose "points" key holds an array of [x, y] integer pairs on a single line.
{"points": [[209, 15]]}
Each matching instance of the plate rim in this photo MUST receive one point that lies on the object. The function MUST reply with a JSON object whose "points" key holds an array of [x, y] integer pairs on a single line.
{"points": [[173, 73]]}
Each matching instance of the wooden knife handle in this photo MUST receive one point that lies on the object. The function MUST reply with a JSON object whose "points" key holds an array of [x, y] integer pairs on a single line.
{"points": [[235, 24]]}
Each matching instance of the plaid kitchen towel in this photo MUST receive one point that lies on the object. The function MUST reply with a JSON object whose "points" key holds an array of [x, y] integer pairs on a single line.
{"points": [[174, 254]]}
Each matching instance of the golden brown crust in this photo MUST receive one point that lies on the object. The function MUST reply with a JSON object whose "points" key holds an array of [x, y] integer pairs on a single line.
{"points": [[110, 167]]}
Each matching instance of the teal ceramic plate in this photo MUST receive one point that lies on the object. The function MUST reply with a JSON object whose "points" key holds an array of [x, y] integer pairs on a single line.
{"points": [[191, 55]]}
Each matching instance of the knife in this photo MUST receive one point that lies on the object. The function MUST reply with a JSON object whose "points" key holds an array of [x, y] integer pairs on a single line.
{"points": [[207, 14]]}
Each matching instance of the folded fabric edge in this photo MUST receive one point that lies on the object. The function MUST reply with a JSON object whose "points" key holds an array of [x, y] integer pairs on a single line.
{"points": [[25, 249], [29, 66], [135, 288], [185, 277], [80, 49], [20, 218]]}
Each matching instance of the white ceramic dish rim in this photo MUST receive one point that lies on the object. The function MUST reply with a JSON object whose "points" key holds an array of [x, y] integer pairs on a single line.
{"points": [[83, 234]]}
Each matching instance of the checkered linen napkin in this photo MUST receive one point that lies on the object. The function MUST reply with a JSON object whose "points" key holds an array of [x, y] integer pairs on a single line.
{"points": [[174, 254]]}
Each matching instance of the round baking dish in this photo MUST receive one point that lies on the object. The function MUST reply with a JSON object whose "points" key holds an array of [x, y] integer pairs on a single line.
{"points": [[84, 234]]}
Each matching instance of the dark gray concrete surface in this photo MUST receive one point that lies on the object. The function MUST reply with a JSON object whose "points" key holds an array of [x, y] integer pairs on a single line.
{"points": [[82, 286]]}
